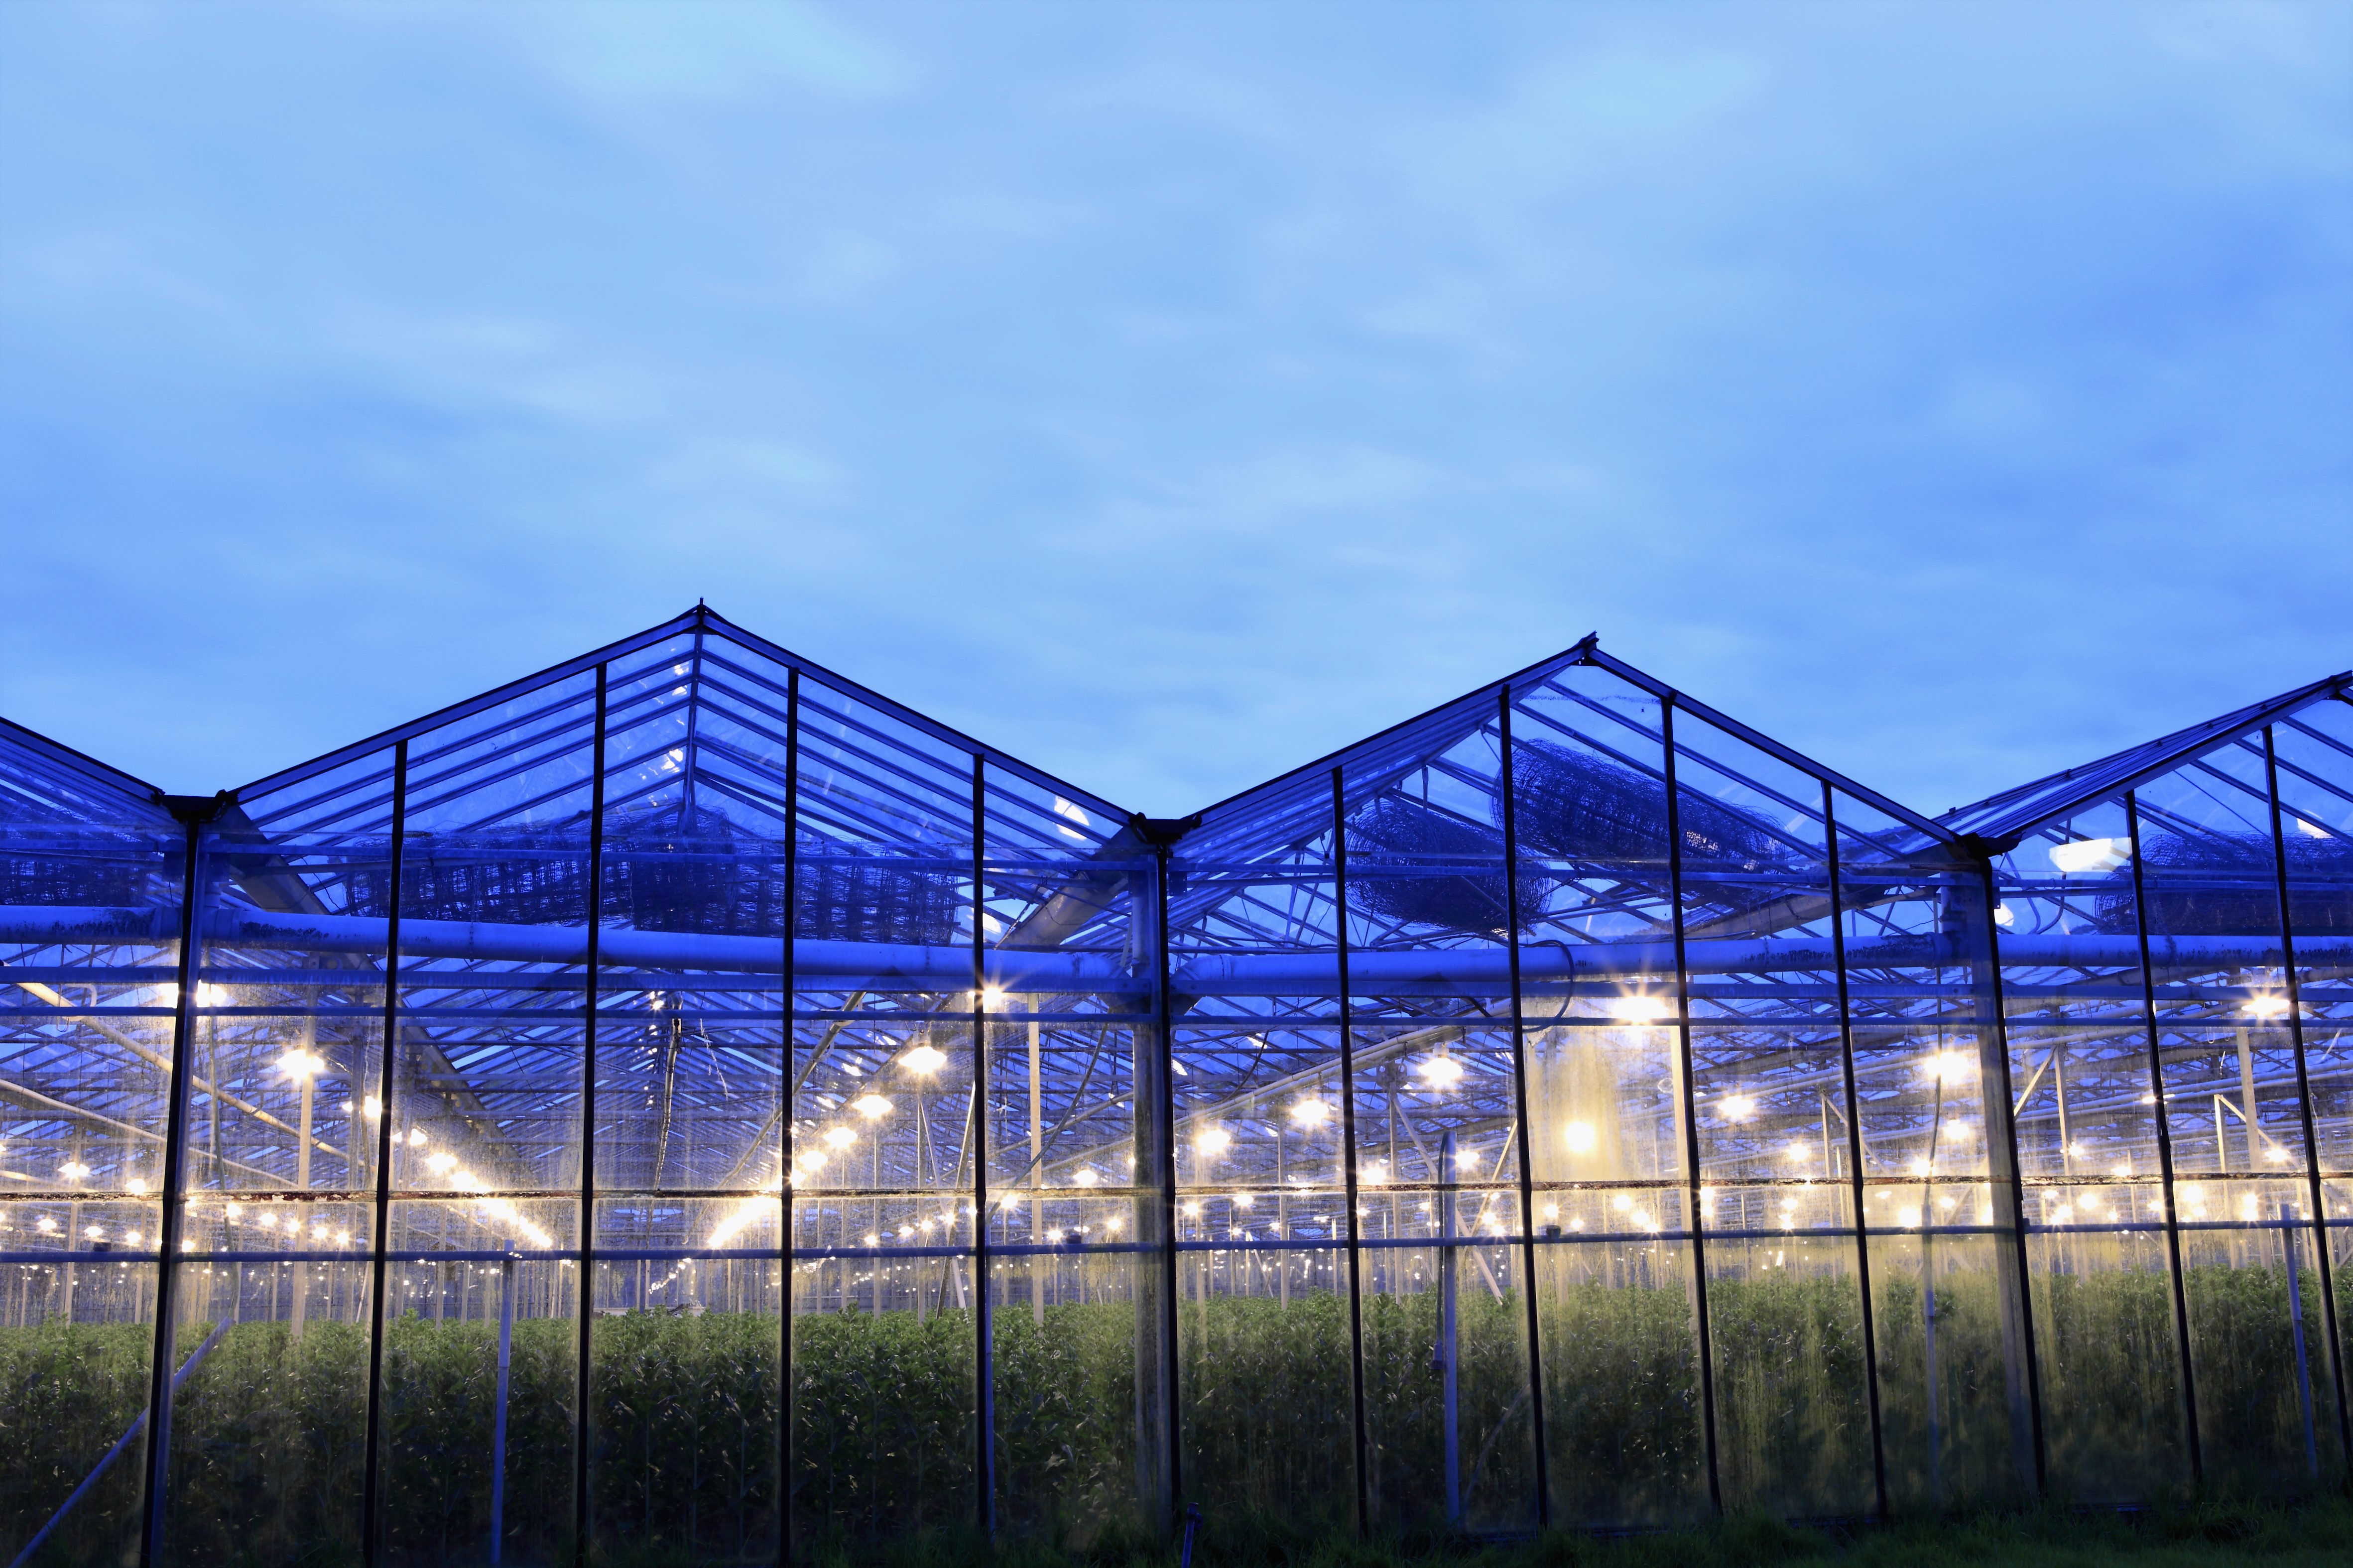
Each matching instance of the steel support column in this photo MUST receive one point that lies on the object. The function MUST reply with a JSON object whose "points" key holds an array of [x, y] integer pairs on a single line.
{"points": [[1855, 1156], [1520, 1103], [379, 1259], [1689, 1110], [1348, 1143], [583, 1515], [2164, 1150]]}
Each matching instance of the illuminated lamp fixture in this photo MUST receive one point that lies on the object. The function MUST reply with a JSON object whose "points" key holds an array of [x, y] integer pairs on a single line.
{"points": [[1738, 1107], [1311, 1112], [924, 1061], [1581, 1136], [840, 1137], [1213, 1142], [1637, 1009], [302, 1066], [872, 1107], [1443, 1072]]}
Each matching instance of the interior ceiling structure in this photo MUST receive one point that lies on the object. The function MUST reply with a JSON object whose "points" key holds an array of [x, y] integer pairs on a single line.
{"points": [[688, 977], [699, 776]]}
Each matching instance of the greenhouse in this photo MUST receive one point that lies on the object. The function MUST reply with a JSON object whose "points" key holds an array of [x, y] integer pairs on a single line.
{"points": [[685, 1106]]}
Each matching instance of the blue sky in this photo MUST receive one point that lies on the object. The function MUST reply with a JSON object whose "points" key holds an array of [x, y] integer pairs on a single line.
{"points": [[1170, 394]]}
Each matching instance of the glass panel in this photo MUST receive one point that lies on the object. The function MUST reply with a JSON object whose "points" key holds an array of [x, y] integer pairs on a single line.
{"points": [[1262, 1270], [268, 1424], [2103, 1337], [267, 1431], [1447, 1430], [1622, 1421], [2315, 751], [90, 916], [1078, 1349], [481, 1343], [1942, 1304], [683, 1377], [1786, 1317], [886, 1149], [2266, 1406]]}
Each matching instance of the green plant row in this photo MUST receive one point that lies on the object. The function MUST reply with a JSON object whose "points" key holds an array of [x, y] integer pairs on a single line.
{"points": [[269, 1433]]}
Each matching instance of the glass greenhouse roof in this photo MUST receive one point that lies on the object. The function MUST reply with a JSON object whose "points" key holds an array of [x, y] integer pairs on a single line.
{"points": [[684, 1100]]}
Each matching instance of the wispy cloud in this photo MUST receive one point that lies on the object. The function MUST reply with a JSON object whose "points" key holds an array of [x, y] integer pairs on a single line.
{"points": [[1170, 393]]}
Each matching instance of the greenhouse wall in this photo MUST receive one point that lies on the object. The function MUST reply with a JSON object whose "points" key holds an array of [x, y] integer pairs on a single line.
{"points": [[683, 1106]]}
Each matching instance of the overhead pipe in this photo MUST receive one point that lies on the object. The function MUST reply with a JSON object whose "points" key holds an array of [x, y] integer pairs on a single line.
{"points": [[909, 967]]}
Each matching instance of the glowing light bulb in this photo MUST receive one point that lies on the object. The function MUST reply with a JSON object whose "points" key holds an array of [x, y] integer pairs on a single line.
{"points": [[417, 1137], [1908, 1219], [840, 1137], [1621, 1202], [95, 1232], [1443, 1072], [1738, 1107], [73, 1170], [1637, 1009], [1794, 1151], [992, 996], [2269, 1005], [1311, 1112], [872, 1107], [373, 1108], [1920, 1166], [924, 1061], [1193, 1209], [1086, 1178], [302, 1066], [1213, 1142], [1581, 1136], [440, 1161]]}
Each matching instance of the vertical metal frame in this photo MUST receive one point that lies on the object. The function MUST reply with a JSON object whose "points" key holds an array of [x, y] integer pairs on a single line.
{"points": [[192, 815], [1172, 1413], [582, 1513], [1348, 1141], [370, 1529], [1690, 1110], [2164, 1150], [2318, 1196], [984, 1352], [2028, 1350], [1854, 1154], [1520, 1103], [785, 1119]]}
